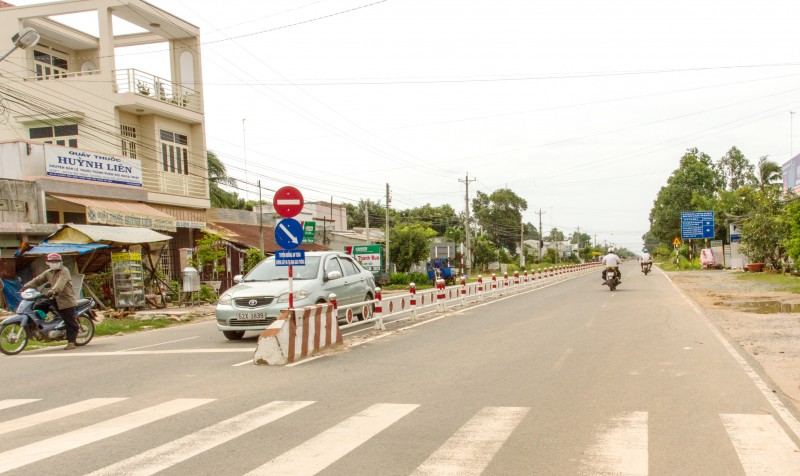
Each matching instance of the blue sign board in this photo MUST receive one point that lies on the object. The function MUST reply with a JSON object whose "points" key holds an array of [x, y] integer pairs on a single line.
{"points": [[289, 233], [697, 225], [290, 258]]}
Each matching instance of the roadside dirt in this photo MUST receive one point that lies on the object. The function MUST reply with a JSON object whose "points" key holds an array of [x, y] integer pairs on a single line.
{"points": [[772, 339]]}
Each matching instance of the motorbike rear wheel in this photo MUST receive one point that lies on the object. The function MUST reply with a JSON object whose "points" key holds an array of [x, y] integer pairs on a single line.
{"points": [[13, 338], [85, 330], [612, 284]]}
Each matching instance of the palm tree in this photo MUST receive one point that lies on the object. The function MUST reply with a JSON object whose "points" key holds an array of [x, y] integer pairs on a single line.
{"points": [[769, 172], [217, 175]]}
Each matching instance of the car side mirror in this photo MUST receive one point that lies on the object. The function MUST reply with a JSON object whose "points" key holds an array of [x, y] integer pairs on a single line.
{"points": [[334, 275], [237, 279]]}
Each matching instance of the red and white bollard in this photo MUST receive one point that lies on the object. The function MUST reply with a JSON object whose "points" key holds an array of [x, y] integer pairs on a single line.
{"points": [[413, 300], [463, 290], [480, 287], [494, 284], [505, 280], [525, 277], [440, 295], [379, 311], [516, 278]]}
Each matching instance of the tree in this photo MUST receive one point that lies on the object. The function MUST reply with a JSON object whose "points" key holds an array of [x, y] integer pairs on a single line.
{"points": [[735, 170], [769, 172], [410, 245], [555, 235], [767, 229], [580, 239], [484, 251], [438, 218], [356, 217], [500, 215], [529, 232], [218, 176], [694, 179]]}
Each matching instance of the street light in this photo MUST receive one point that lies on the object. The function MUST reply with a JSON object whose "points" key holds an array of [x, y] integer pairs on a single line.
{"points": [[26, 38]]}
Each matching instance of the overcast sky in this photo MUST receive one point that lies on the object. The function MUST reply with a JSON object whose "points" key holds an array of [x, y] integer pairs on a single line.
{"points": [[583, 108]]}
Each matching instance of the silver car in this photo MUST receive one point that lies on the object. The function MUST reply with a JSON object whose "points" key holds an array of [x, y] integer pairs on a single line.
{"points": [[255, 302]]}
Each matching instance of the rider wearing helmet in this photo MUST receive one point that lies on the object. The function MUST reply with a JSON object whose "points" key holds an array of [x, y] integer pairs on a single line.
{"points": [[61, 288], [646, 258], [611, 260]]}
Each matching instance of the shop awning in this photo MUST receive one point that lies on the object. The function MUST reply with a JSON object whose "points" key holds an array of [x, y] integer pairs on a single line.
{"points": [[110, 235], [44, 249], [121, 213]]}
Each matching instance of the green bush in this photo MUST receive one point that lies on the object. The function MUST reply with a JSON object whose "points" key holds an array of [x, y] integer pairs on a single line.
{"points": [[399, 278], [404, 279], [207, 293]]}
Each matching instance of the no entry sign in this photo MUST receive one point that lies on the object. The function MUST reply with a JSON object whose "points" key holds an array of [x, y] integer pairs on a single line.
{"points": [[288, 202]]}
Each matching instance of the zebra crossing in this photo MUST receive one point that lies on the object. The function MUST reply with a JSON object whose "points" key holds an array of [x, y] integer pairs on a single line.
{"points": [[621, 446]]}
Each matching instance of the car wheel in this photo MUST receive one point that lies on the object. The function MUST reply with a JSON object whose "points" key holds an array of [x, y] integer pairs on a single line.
{"points": [[233, 335], [367, 310]]}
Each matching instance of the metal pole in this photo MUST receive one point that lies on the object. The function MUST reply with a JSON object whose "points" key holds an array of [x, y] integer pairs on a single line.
{"points": [[260, 220], [467, 254], [386, 238]]}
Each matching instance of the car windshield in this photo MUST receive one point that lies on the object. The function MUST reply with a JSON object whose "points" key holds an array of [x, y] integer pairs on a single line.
{"points": [[267, 271]]}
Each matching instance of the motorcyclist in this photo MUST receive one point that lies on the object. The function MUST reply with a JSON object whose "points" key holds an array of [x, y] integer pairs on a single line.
{"points": [[61, 289], [647, 260], [611, 260]]}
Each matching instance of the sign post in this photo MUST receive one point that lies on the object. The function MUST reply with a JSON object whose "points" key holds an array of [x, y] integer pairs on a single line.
{"points": [[288, 203], [696, 225]]}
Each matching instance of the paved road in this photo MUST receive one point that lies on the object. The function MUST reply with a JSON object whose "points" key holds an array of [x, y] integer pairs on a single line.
{"points": [[569, 379]]}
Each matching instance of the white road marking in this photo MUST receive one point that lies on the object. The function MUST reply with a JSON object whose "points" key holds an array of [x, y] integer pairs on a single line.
{"points": [[621, 449], [762, 445], [174, 452], [318, 453], [473, 446], [160, 343], [243, 363], [138, 352], [773, 400], [561, 360], [55, 414], [13, 402], [40, 450]]}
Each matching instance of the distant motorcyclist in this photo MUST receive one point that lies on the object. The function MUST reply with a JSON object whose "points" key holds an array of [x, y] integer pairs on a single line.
{"points": [[611, 260], [647, 260], [61, 289]]}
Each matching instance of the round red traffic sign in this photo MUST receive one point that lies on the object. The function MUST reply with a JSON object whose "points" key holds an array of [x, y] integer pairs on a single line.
{"points": [[288, 202]]}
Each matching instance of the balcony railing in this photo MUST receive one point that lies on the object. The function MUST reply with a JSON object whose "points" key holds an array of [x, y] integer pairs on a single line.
{"points": [[160, 89]]}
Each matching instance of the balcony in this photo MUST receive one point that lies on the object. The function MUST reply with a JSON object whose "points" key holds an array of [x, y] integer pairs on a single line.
{"points": [[159, 89]]}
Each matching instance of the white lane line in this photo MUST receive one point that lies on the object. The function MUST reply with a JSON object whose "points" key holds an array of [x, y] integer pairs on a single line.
{"points": [[40, 450], [767, 392], [762, 445], [318, 453], [174, 452], [243, 363], [560, 362], [78, 353], [55, 414], [160, 343], [13, 402], [473, 446], [621, 448]]}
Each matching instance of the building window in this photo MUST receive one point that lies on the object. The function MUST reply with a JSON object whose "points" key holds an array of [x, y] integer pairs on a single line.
{"points": [[128, 134], [174, 152], [77, 218], [50, 63], [60, 135]]}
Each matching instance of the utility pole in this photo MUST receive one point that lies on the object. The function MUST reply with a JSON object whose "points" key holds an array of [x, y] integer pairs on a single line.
{"points": [[244, 156], [541, 234], [260, 219], [521, 244], [366, 218], [388, 201], [468, 253]]}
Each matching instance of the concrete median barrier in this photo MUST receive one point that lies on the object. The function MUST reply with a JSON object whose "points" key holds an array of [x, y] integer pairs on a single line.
{"points": [[298, 334]]}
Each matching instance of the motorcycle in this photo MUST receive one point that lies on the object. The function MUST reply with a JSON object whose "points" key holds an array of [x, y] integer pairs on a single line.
{"points": [[612, 278], [32, 322], [646, 268]]}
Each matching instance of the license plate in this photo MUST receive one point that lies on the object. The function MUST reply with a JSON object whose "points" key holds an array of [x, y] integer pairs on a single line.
{"points": [[251, 315]]}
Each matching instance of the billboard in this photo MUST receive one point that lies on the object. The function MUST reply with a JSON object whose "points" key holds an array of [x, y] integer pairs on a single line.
{"points": [[80, 164], [791, 174]]}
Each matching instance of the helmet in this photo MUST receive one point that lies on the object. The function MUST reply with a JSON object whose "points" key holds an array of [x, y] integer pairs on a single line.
{"points": [[54, 257], [644, 251], [611, 250]]}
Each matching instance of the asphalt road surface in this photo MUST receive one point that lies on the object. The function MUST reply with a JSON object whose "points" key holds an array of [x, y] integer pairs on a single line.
{"points": [[567, 379]]}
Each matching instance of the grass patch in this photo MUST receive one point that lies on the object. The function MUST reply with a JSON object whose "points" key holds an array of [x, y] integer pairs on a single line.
{"points": [[778, 281], [126, 325], [684, 265]]}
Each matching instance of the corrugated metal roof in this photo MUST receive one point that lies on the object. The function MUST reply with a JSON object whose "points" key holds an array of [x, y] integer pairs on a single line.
{"points": [[249, 235]]}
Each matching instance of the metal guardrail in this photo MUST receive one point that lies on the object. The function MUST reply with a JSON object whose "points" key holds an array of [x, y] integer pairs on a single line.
{"points": [[442, 297]]}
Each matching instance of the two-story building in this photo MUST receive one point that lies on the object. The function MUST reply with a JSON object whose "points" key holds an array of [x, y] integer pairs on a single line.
{"points": [[83, 141]]}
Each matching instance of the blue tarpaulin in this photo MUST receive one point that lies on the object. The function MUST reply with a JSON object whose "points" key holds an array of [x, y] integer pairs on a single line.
{"points": [[45, 248], [11, 289]]}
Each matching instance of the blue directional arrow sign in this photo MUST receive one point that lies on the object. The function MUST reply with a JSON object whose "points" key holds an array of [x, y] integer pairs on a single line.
{"points": [[697, 225], [289, 233]]}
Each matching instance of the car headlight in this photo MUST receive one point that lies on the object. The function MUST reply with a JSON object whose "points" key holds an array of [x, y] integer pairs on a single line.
{"points": [[298, 295], [225, 299]]}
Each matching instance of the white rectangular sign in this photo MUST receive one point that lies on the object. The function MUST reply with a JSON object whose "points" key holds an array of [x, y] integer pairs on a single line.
{"points": [[83, 165]]}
